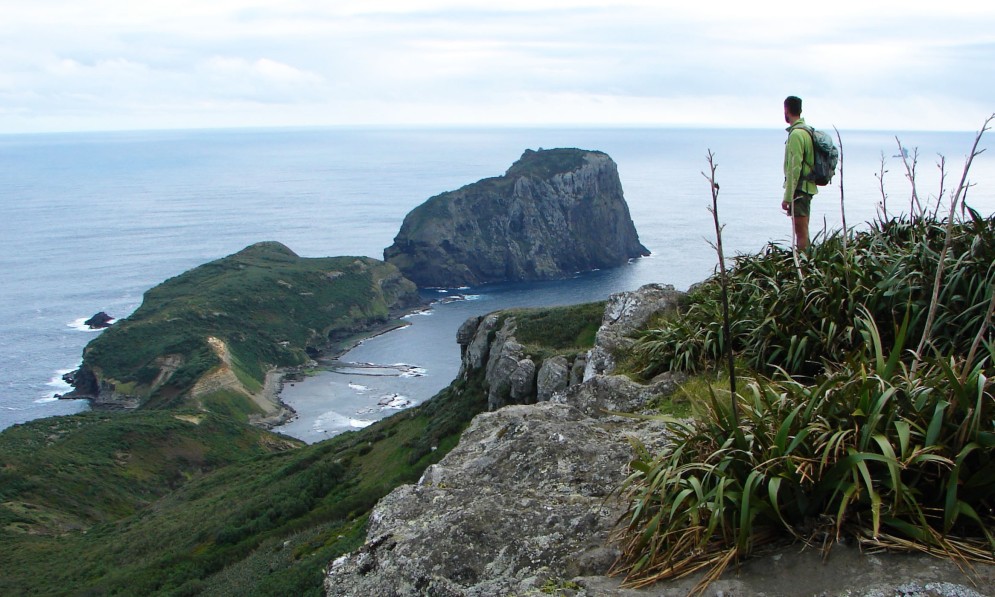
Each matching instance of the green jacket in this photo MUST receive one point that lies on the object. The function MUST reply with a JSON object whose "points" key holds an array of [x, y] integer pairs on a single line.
{"points": [[799, 159]]}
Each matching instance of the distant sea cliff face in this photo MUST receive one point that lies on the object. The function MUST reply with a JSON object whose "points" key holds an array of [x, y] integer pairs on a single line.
{"points": [[554, 213]]}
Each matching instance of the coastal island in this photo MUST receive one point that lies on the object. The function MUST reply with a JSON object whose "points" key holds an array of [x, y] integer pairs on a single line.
{"points": [[554, 213]]}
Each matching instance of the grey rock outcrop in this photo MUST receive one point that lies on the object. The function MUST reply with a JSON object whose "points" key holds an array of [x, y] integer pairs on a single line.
{"points": [[520, 499], [625, 313], [604, 394], [99, 321], [553, 376], [528, 497], [511, 376], [554, 213], [525, 496]]}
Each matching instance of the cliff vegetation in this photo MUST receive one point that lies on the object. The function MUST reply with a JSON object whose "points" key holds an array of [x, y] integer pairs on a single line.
{"points": [[209, 337]]}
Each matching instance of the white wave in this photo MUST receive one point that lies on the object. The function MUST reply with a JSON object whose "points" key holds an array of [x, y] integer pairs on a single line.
{"points": [[57, 382], [58, 385], [471, 297], [414, 372], [358, 387], [80, 325], [334, 420], [420, 312], [394, 402]]}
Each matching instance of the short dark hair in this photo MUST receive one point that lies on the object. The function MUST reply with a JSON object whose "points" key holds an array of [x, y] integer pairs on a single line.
{"points": [[793, 105]]}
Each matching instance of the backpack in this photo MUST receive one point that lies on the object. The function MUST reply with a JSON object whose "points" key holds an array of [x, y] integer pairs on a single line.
{"points": [[826, 157]]}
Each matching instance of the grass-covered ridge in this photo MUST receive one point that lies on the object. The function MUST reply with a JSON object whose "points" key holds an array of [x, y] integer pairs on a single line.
{"points": [[182, 502], [844, 427], [209, 336]]}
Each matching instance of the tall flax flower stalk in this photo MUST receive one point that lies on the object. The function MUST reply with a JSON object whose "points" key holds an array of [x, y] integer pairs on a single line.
{"points": [[915, 207], [842, 207], [714, 209]]}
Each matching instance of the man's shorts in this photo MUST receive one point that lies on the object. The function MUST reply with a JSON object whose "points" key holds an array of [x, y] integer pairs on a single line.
{"points": [[802, 204]]}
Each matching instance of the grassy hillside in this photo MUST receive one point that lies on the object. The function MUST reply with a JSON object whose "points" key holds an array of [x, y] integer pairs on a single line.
{"points": [[163, 502], [65, 474], [207, 338]]}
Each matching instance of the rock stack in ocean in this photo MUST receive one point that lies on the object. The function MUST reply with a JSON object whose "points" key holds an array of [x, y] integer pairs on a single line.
{"points": [[554, 213]]}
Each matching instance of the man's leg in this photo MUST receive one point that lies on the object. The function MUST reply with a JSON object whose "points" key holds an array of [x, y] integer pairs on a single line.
{"points": [[801, 232], [801, 208]]}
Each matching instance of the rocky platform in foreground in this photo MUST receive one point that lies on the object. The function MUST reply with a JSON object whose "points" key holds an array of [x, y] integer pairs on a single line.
{"points": [[554, 213]]}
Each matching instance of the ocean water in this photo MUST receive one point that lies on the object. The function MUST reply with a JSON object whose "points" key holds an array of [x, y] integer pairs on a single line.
{"points": [[92, 220]]}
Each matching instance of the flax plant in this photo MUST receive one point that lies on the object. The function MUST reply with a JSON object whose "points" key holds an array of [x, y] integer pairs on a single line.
{"points": [[870, 453], [910, 174], [839, 141], [778, 320]]}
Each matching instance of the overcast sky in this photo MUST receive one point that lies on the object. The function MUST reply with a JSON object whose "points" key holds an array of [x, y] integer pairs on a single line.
{"points": [[68, 65]]}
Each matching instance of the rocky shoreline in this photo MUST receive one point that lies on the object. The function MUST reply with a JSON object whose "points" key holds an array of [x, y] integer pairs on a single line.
{"points": [[277, 378]]}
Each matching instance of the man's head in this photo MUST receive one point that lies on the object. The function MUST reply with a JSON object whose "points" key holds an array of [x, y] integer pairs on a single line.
{"points": [[792, 109]]}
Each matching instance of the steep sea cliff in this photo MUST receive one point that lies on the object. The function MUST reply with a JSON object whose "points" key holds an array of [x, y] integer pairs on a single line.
{"points": [[554, 213]]}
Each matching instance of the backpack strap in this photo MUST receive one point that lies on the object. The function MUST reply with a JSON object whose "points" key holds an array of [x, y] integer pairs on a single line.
{"points": [[811, 136]]}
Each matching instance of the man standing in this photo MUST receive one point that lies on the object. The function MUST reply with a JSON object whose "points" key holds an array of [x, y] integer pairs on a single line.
{"points": [[799, 159]]}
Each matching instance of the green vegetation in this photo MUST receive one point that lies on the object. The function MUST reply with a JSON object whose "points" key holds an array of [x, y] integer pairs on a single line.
{"points": [[549, 332], [261, 308], [152, 503], [571, 327], [845, 430], [185, 502], [69, 473], [547, 162]]}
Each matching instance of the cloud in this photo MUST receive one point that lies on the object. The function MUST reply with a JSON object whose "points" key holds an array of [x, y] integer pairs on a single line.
{"points": [[76, 66], [263, 79]]}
